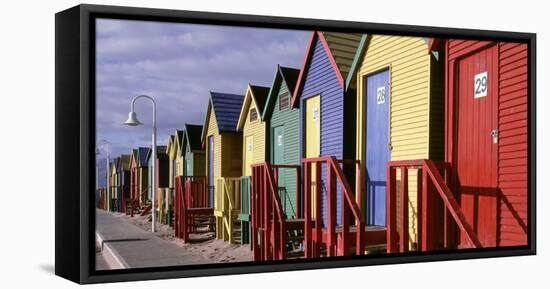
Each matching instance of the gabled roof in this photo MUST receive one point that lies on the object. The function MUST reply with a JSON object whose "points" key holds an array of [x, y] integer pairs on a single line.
{"points": [[179, 140], [226, 108], [134, 157], [193, 136], [340, 49], [161, 152], [142, 154], [124, 162], [170, 143], [286, 74], [256, 94]]}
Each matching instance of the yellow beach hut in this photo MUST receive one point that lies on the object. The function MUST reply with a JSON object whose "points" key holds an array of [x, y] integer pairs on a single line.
{"points": [[113, 183], [399, 116], [223, 145], [253, 128]]}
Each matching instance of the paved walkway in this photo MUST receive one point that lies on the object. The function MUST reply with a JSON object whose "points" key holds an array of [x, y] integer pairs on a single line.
{"points": [[136, 248]]}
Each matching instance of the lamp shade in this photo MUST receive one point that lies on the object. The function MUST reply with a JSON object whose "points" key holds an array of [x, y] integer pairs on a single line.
{"points": [[132, 119]]}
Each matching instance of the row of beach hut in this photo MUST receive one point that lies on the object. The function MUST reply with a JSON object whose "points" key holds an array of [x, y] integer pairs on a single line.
{"points": [[330, 157]]}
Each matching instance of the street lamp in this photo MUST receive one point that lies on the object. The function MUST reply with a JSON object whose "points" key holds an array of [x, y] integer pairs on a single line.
{"points": [[107, 188], [133, 121]]}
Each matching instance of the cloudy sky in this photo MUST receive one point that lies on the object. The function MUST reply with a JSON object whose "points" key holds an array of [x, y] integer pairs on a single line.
{"points": [[178, 64]]}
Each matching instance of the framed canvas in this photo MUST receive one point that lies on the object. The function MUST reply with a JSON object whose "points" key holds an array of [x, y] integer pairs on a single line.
{"points": [[197, 144]]}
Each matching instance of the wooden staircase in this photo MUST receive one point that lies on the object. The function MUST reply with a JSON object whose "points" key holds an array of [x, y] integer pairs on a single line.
{"points": [[191, 210], [436, 205], [273, 235], [227, 207]]}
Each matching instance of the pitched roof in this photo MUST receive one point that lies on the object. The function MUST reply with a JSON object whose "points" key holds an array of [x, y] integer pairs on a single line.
{"points": [[259, 93], [161, 152], [359, 52], [125, 162], [134, 156], [142, 154], [193, 136], [256, 94], [178, 138], [343, 47], [226, 108], [286, 74], [340, 49]]}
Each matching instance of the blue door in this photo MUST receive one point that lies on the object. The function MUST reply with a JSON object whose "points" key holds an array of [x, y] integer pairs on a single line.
{"points": [[377, 149], [211, 171]]}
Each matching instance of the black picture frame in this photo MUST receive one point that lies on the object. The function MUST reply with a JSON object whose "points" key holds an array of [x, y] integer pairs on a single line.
{"points": [[75, 142]]}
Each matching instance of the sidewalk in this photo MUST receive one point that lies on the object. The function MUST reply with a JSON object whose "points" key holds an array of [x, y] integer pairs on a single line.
{"points": [[136, 248]]}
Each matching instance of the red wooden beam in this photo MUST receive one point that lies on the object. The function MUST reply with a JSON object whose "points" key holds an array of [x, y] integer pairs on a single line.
{"points": [[404, 226], [419, 207], [307, 211], [318, 212], [425, 209], [331, 208], [451, 204], [391, 225], [299, 213]]}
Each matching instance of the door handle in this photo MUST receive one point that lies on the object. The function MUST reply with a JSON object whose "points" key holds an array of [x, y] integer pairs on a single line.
{"points": [[494, 135]]}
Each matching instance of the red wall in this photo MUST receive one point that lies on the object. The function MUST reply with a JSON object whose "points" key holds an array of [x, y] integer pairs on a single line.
{"points": [[512, 166], [512, 124]]}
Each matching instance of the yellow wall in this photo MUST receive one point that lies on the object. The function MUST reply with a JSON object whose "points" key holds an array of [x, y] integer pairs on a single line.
{"points": [[313, 141], [171, 151], [408, 61], [256, 130], [212, 130]]}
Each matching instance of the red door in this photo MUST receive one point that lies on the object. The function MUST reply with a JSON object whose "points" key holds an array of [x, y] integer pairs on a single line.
{"points": [[477, 137]]}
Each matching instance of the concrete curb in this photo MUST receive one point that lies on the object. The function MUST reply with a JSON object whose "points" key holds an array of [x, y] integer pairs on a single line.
{"points": [[113, 259]]}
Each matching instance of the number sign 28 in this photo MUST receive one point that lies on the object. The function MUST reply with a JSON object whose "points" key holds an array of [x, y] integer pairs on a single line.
{"points": [[381, 95], [480, 85]]}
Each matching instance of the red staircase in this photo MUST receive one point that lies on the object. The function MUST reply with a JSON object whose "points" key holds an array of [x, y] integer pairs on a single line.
{"points": [[436, 205], [190, 205], [271, 230], [351, 236]]}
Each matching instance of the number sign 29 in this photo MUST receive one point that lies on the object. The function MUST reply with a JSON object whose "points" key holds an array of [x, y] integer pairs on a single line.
{"points": [[480, 85]]}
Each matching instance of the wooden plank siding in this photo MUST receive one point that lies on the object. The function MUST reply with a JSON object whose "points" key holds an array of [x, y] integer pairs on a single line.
{"points": [[512, 160], [513, 140], [416, 105], [288, 118], [323, 75], [212, 130], [254, 129]]}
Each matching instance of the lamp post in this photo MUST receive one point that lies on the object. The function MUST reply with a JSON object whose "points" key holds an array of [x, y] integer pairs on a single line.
{"points": [[133, 121], [107, 189]]}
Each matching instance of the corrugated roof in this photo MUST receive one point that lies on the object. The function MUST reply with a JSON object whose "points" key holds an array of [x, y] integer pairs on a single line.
{"points": [[193, 136], [286, 74], [343, 47], [340, 48], [226, 109]]}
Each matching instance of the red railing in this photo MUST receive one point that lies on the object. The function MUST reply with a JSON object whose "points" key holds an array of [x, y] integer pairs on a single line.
{"points": [[313, 232], [190, 201], [430, 183], [267, 215]]}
